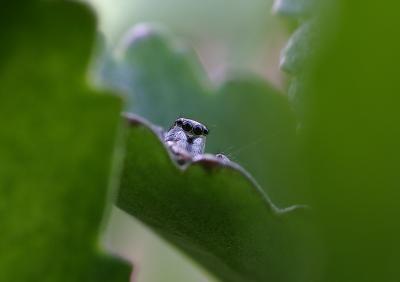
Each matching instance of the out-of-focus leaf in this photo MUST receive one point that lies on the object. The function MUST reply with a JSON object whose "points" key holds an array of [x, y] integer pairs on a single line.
{"points": [[249, 120], [353, 138], [296, 95], [159, 77], [56, 139], [294, 8], [215, 213], [301, 48]]}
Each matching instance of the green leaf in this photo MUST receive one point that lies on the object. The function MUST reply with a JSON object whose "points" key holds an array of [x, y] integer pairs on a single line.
{"points": [[162, 80], [295, 8], [301, 48], [298, 54], [159, 77], [353, 141], [215, 213], [56, 139]]}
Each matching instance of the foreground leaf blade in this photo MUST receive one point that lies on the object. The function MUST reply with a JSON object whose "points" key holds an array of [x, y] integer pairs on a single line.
{"points": [[57, 139], [214, 213]]}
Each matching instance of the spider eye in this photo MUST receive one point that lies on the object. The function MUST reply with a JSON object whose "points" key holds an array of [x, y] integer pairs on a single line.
{"points": [[205, 131], [197, 130], [187, 126], [179, 122]]}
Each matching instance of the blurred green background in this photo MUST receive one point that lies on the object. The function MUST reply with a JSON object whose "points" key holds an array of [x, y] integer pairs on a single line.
{"points": [[324, 134], [229, 36]]}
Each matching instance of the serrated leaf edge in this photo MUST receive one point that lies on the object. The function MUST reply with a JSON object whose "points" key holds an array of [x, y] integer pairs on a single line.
{"points": [[206, 163]]}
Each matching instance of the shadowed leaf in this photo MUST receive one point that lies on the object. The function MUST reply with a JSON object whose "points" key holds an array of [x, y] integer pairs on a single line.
{"points": [[57, 139]]}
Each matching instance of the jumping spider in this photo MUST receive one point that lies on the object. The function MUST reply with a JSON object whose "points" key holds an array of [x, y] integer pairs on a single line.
{"points": [[187, 139]]}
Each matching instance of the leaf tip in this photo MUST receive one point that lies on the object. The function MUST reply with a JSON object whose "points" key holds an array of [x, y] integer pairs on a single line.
{"points": [[139, 33]]}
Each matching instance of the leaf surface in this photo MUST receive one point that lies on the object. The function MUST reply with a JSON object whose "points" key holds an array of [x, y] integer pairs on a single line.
{"points": [[57, 139], [214, 212]]}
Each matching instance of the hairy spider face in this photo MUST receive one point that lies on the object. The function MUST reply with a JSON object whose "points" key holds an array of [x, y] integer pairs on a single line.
{"points": [[191, 127], [187, 140], [188, 135]]}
